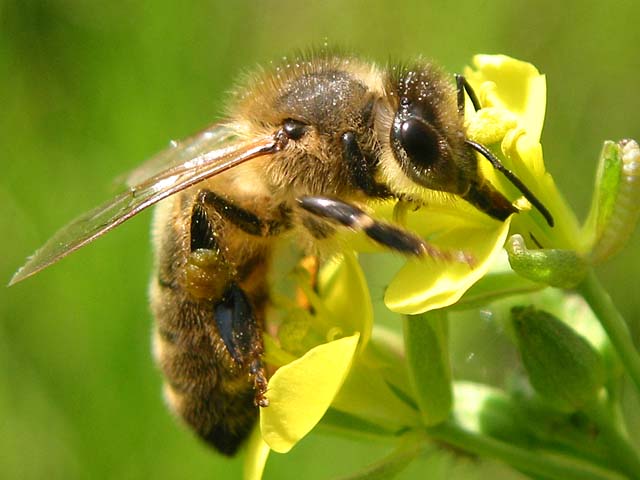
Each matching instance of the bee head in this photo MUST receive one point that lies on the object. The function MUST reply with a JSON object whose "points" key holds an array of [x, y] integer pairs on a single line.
{"points": [[427, 134]]}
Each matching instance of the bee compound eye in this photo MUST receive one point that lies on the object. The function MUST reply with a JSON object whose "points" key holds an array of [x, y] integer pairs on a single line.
{"points": [[420, 141], [294, 129]]}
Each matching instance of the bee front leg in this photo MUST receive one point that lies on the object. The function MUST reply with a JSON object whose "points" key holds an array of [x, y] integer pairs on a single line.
{"points": [[385, 234], [362, 168], [246, 220]]}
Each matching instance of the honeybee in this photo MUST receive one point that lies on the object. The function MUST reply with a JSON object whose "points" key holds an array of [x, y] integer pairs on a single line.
{"points": [[304, 145]]}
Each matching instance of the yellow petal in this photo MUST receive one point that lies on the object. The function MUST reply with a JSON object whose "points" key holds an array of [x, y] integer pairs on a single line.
{"points": [[524, 151], [426, 284], [517, 86], [346, 297], [256, 457], [526, 160], [302, 391], [490, 125]]}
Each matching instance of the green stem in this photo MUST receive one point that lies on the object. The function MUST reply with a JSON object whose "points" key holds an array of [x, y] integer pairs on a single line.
{"points": [[426, 339], [532, 462], [394, 463], [613, 323], [622, 452]]}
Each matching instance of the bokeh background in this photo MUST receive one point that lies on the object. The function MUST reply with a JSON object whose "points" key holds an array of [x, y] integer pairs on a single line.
{"points": [[88, 89]]}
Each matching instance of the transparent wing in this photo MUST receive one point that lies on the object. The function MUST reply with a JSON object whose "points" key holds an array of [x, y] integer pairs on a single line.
{"points": [[182, 165], [180, 152]]}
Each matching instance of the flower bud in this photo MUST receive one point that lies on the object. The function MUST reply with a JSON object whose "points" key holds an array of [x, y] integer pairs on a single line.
{"points": [[615, 208], [563, 367], [554, 267], [488, 410]]}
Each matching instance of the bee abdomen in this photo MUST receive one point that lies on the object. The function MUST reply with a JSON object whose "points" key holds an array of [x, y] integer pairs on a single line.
{"points": [[209, 296], [222, 420], [206, 389]]}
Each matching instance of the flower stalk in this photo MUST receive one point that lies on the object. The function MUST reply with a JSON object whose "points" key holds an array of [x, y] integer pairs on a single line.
{"points": [[613, 323], [535, 463], [426, 340]]}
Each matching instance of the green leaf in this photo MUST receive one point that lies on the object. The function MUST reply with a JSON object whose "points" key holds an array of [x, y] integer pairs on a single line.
{"points": [[385, 354], [605, 190]]}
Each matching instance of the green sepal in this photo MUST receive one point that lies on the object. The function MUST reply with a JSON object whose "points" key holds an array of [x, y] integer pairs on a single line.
{"points": [[553, 267], [563, 367], [426, 338]]}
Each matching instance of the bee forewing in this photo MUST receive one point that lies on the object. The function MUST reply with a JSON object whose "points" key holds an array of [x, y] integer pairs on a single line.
{"points": [[194, 160], [180, 152]]}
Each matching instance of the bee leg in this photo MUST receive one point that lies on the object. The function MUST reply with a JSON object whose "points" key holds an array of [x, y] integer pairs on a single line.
{"points": [[245, 220], [205, 263], [463, 85], [390, 236], [202, 234], [362, 168], [233, 313], [242, 336]]}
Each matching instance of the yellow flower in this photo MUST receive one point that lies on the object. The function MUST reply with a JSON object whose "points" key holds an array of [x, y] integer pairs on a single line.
{"points": [[424, 285], [515, 90], [323, 358], [302, 390], [512, 97]]}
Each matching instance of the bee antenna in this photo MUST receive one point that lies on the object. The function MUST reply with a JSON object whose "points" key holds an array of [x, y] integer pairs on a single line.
{"points": [[528, 194], [462, 85]]}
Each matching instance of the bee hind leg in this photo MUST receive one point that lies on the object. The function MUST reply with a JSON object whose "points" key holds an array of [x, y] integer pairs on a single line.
{"points": [[242, 336], [234, 313], [206, 263]]}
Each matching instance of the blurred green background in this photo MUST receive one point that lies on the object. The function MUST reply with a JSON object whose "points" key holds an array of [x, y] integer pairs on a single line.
{"points": [[88, 89]]}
